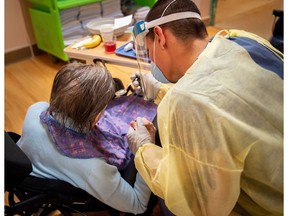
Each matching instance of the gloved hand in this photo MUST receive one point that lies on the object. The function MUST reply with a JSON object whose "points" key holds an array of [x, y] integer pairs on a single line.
{"points": [[151, 85], [140, 132]]}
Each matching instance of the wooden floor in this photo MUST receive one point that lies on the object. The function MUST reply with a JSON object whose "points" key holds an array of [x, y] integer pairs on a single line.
{"points": [[29, 81], [251, 15]]}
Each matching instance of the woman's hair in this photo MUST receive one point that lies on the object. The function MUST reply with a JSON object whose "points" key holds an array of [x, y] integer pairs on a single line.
{"points": [[184, 29], [79, 93]]}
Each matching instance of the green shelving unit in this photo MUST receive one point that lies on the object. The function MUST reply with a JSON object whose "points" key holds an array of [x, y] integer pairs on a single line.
{"points": [[46, 22], [213, 12]]}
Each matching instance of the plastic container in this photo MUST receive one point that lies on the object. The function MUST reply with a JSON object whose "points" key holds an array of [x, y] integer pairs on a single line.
{"points": [[109, 39]]}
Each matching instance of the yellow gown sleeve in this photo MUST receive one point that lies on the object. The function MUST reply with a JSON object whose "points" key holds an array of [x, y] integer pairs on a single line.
{"points": [[147, 159], [213, 149], [164, 88]]}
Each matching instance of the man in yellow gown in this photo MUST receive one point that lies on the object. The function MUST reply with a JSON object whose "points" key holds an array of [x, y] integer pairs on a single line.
{"points": [[220, 122]]}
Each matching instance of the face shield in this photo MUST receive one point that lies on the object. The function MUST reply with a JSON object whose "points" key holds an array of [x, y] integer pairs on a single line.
{"points": [[140, 31]]}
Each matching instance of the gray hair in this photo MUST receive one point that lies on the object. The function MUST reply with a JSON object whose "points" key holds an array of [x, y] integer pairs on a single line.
{"points": [[79, 93]]}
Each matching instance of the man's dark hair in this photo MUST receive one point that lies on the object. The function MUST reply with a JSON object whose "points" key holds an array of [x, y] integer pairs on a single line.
{"points": [[183, 29]]}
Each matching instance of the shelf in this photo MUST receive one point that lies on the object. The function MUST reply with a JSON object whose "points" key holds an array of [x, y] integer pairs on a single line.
{"points": [[73, 3], [47, 25], [149, 3]]}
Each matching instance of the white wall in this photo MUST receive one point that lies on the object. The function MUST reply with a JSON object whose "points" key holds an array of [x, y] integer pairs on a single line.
{"points": [[16, 32], [204, 7]]}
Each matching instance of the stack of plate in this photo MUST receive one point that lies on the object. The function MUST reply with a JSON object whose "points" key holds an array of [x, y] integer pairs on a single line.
{"points": [[94, 26]]}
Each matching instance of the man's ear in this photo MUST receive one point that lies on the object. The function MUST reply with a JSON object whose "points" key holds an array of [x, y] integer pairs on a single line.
{"points": [[160, 36]]}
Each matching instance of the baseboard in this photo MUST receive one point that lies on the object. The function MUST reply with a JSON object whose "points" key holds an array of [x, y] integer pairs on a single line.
{"points": [[21, 54]]}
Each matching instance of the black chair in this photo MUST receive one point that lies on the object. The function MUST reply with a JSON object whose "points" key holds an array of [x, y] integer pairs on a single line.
{"points": [[29, 194], [277, 39]]}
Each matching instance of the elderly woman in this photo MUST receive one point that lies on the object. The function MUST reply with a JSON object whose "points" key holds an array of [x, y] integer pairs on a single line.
{"points": [[65, 139]]}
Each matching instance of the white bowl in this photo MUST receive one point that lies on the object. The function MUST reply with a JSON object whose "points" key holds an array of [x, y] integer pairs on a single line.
{"points": [[94, 26]]}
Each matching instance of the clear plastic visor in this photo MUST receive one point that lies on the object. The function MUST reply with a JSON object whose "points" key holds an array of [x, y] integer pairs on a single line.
{"points": [[141, 29]]}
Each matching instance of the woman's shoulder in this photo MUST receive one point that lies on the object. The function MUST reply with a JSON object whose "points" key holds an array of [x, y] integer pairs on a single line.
{"points": [[36, 109], [41, 105]]}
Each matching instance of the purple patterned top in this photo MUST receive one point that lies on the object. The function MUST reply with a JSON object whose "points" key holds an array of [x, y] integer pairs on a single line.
{"points": [[108, 139]]}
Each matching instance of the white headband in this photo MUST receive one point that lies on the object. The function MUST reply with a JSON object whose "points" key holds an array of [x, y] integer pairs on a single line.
{"points": [[171, 17]]}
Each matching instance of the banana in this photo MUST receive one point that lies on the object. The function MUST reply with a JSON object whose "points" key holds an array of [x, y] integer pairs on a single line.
{"points": [[95, 41]]}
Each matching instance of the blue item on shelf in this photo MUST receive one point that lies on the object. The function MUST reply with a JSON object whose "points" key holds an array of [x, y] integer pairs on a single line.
{"points": [[130, 53]]}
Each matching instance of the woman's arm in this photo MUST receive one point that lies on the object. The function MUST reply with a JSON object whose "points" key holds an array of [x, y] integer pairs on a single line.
{"points": [[106, 184]]}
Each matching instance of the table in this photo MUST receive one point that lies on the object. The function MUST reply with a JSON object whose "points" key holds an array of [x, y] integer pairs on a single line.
{"points": [[88, 55], [99, 52], [119, 66]]}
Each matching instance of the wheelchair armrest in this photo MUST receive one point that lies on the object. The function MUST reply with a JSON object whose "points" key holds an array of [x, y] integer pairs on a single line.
{"points": [[17, 164], [58, 191]]}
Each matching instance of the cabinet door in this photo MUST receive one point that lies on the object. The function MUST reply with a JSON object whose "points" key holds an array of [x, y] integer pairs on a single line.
{"points": [[48, 32]]}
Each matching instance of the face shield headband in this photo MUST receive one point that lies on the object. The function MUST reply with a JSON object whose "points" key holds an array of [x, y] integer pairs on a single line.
{"points": [[141, 28], [140, 31]]}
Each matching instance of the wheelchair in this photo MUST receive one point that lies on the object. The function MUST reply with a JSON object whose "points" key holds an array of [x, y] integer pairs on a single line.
{"points": [[28, 195], [277, 39]]}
